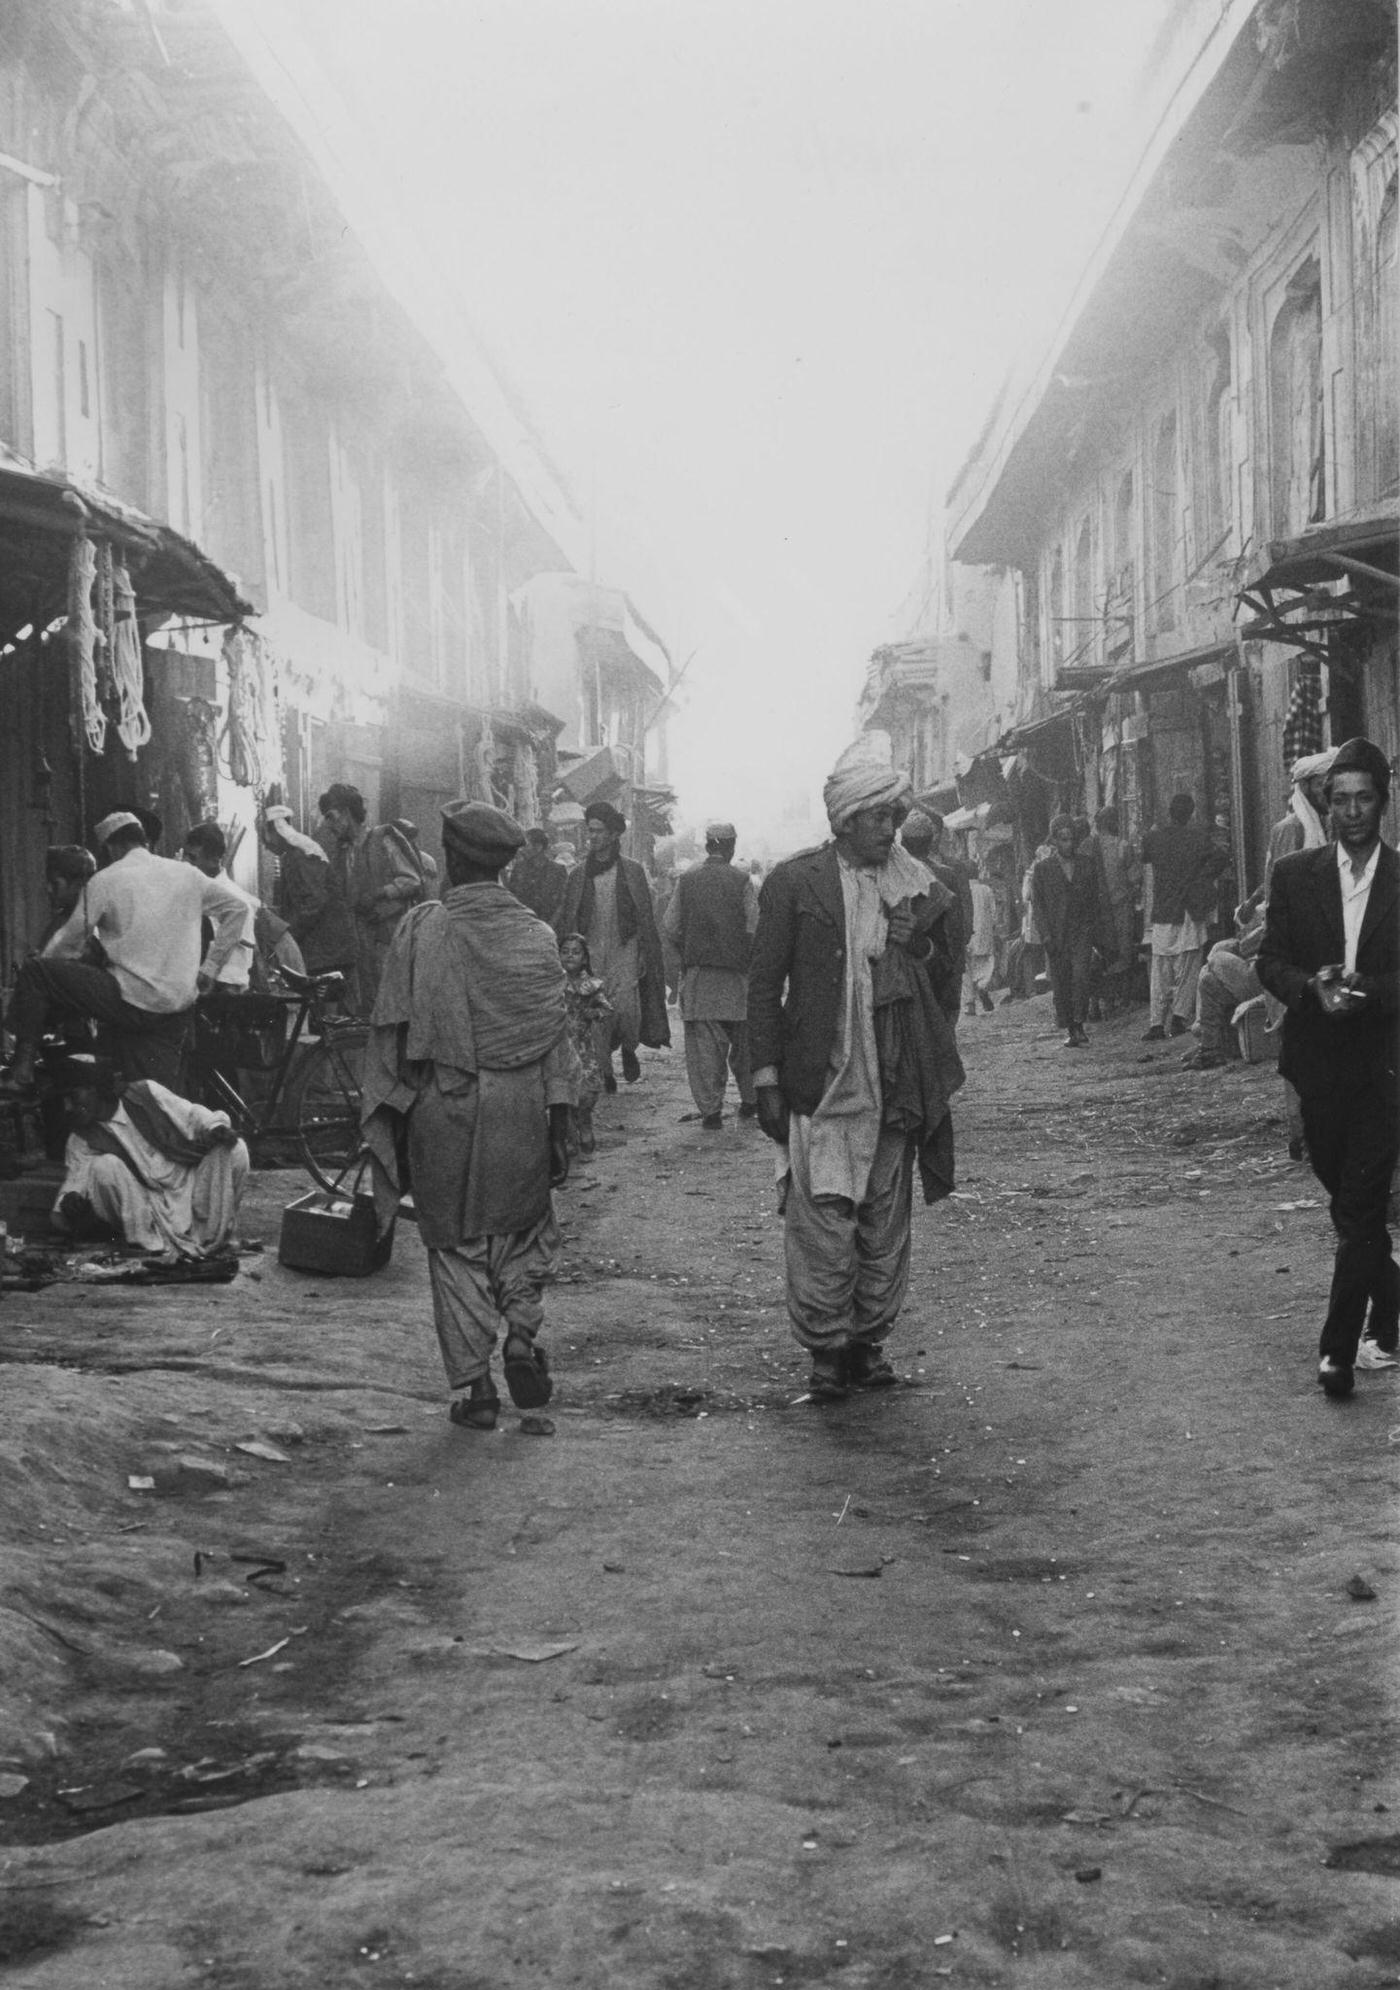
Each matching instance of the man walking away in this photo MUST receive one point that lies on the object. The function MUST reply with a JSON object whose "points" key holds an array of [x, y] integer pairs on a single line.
{"points": [[856, 1063], [536, 879], [981, 950], [608, 901], [1331, 953], [469, 1078], [1181, 864], [1065, 894], [145, 913], [710, 922]]}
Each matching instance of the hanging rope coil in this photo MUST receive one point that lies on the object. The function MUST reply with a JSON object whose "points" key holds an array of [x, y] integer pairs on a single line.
{"points": [[128, 676]]}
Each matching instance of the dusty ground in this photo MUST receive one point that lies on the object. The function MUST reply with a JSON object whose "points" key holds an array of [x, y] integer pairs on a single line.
{"points": [[1043, 1670]]}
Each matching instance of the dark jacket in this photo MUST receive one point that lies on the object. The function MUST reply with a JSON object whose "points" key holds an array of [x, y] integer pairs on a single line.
{"points": [[312, 900], [651, 981], [1185, 864], [538, 880], [1303, 932], [1066, 908], [797, 977], [714, 904]]}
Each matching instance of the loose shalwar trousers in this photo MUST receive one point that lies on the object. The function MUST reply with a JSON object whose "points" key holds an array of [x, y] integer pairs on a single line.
{"points": [[707, 1046], [848, 1263], [484, 1282], [1172, 987]]}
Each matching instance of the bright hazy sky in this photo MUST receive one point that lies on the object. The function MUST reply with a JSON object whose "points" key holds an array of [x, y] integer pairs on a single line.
{"points": [[757, 268]]}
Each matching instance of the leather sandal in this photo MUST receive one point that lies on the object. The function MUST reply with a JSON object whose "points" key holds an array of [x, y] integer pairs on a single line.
{"points": [[827, 1381], [527, 1373], [479, 1408], [867, 1367]]}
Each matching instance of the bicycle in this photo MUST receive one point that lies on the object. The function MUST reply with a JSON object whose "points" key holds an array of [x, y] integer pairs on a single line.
{"points": [[322, 1088]]}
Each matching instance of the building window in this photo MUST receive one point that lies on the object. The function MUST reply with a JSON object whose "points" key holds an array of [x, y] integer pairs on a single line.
{"points": [[1082, 646], [1030, 625], [1212, 452], [310, 527], [1297, 448], [1164, 517], [1057, 611]]}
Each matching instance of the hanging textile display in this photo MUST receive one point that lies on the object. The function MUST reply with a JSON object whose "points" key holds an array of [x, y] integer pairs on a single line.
{"points": [[104, 613], [197, 762], [124, 662], [82, 636], [485, 763], [244, 738], [527, 787], [1302, 728]]}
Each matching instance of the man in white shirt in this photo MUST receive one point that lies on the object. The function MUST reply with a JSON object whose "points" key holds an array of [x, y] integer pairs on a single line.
{"points": [[144, 913], [1331, 954]]}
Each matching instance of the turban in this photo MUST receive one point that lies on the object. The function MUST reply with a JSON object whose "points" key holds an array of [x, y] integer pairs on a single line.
{"points": [[482, 834], [121, 818], [864, 777], [279, 821], [1312, 766], [612, 819], [1362, 756], [721, 832]]}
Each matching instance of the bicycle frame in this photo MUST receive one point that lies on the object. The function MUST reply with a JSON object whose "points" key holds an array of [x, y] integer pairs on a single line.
{"points": [[253, 1125]]}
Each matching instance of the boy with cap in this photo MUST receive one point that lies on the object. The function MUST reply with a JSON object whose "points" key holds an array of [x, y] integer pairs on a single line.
{"points": [[607, 900], [1331, 954]]}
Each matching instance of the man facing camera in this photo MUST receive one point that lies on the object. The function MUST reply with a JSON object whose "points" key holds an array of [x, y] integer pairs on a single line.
{"points": [[1331, 953]]}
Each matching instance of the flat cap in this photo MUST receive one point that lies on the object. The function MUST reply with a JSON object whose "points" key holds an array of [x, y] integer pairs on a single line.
{"points": [[721, 832], [484, 835]]}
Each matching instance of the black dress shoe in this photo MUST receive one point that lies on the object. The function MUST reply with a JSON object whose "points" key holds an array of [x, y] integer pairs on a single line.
{"points": [[748, 1112], [631, 1067], [1155, 1035], [712, 1122], [1335, 1379]]}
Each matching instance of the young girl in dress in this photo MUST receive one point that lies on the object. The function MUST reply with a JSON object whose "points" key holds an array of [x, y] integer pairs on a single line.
{"points": [[587, 1006]]}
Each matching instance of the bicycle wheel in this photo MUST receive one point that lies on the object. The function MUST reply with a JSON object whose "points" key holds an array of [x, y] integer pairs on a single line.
{"points": [[328, 1104]]}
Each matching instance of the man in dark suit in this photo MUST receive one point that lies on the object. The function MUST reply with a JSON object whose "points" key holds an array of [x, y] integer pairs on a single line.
{"points": [[1331, 953], [854, 1064], [1065, 894]]}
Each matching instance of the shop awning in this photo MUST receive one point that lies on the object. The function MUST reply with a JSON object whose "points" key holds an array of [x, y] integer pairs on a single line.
{"points": [[1331, 576], [1159, 671], [41, 516]]}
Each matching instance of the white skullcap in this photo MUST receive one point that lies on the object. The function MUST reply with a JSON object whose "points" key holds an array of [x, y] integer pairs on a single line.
{"points": [[121, 818]]}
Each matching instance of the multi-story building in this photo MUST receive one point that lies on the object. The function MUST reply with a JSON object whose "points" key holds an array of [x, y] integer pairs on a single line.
{"points": [[1197, 486], [265, 507]]}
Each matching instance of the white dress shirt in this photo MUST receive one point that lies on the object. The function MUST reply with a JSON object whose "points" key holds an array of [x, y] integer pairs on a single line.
{"points": [[1356, 892], [145, 911]]}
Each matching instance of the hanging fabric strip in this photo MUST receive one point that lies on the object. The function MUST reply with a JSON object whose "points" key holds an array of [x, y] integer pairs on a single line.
{"points": [[133, 725], [82, 635]]}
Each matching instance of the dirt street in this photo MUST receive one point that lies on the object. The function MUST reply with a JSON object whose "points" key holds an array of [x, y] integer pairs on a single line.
{"points": [[1069, 1663]]}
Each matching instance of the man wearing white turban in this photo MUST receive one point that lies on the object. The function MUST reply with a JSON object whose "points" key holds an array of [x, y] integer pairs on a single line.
{"points": [[855, 1063]]}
